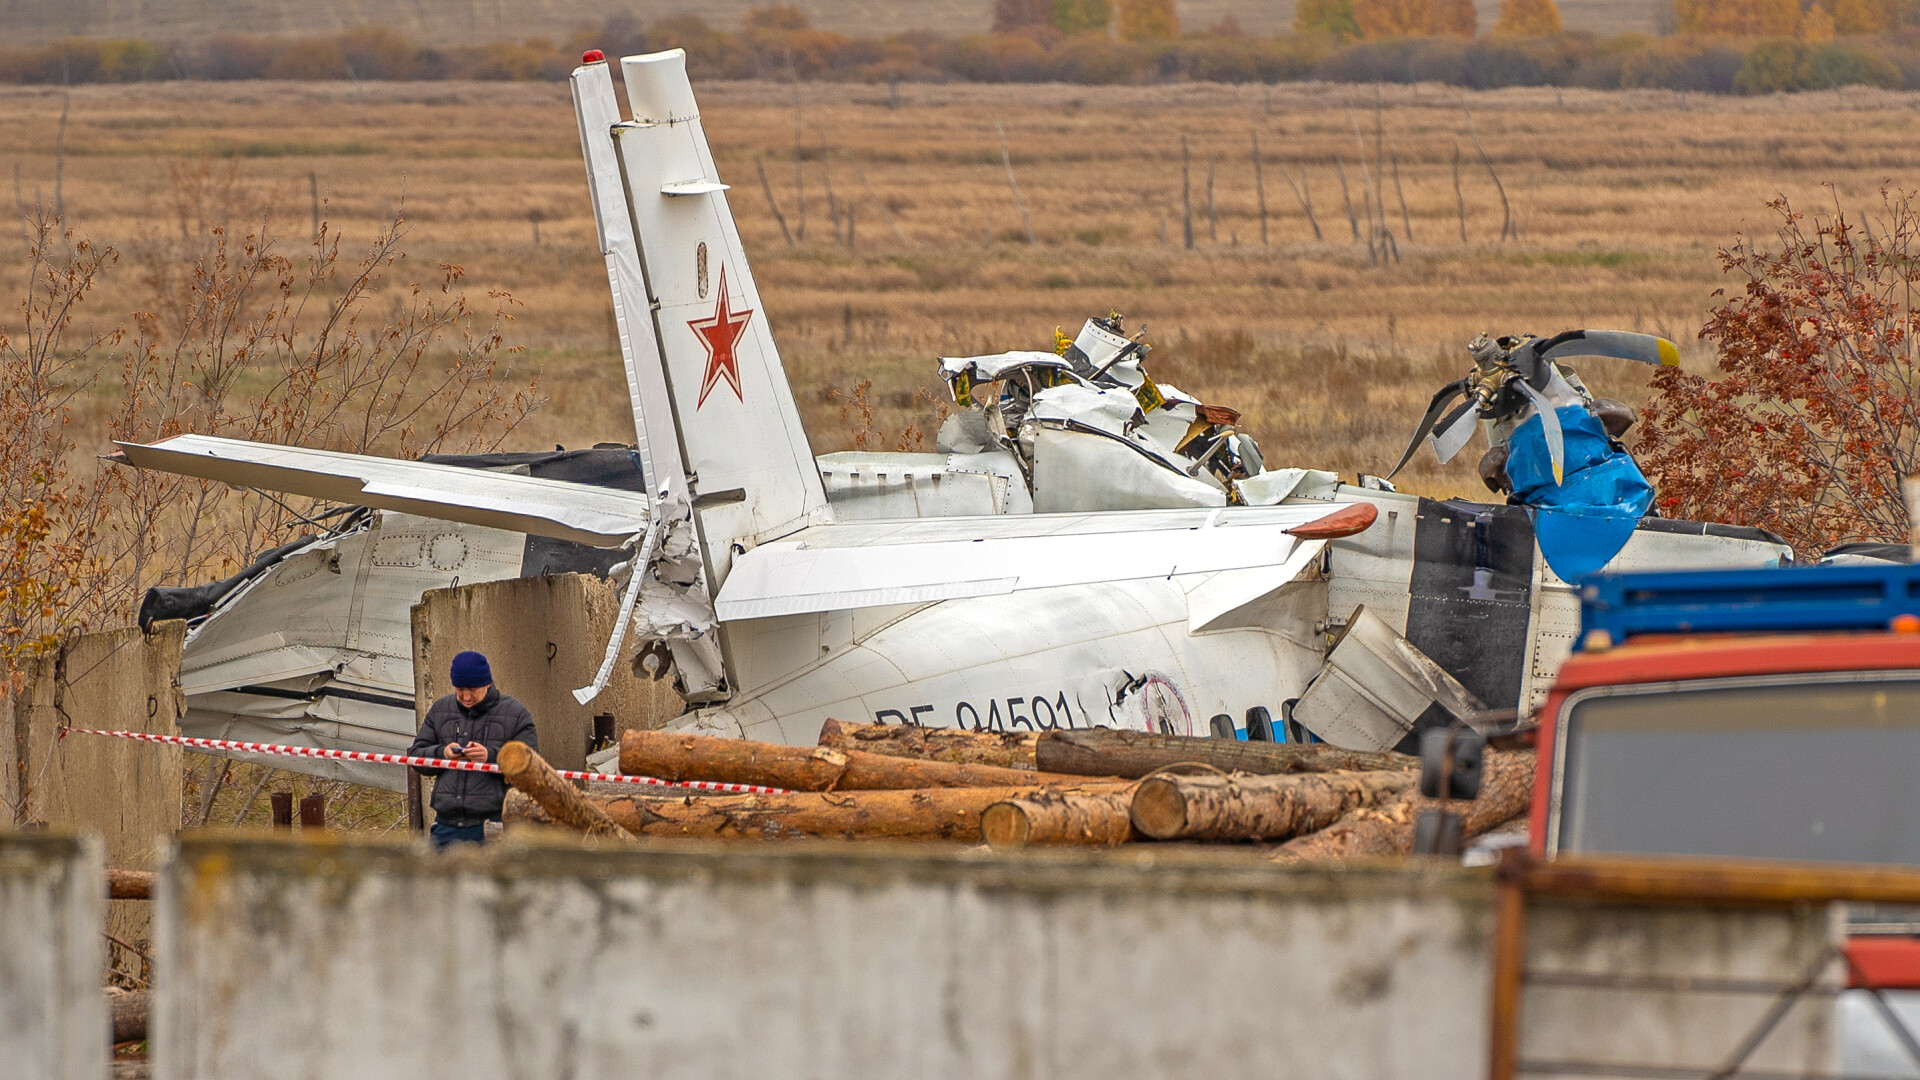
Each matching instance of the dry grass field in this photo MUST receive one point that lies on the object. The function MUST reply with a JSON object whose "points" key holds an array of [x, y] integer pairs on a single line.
{"points": [[1619, 199]]}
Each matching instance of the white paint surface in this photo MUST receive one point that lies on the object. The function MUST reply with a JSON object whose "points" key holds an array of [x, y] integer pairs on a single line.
{"points": [[53, 905], [851, 961]]}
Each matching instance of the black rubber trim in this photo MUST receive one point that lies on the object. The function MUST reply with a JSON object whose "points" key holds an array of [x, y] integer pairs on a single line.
{"points": [[324, 692], [1709, 528]]}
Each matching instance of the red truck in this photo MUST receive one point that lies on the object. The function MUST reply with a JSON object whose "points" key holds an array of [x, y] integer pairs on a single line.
{"points": [[1752, 715]]}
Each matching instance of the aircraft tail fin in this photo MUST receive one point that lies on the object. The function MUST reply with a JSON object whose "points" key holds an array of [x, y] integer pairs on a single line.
{"points": [[721, 393]]}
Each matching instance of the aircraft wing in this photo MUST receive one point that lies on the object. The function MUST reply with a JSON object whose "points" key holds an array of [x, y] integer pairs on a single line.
{"points": [[871, 564], [600, 517]]}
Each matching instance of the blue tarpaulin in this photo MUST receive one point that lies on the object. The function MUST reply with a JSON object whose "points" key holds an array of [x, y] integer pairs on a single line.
{"points": [[1582, 522]]}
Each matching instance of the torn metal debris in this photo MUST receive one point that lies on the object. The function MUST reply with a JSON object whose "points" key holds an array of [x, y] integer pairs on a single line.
{"points": [[1090, 429]]}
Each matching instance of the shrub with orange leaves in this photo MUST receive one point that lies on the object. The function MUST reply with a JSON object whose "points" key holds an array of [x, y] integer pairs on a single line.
{"points": [[1738, 18], [48, 518], [1148, 20], [1527, 18], [1812, 416], [1415, 18], [311, 349]]}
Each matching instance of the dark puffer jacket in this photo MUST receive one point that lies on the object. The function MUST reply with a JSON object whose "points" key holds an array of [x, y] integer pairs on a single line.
{"points": [[462, 798]]}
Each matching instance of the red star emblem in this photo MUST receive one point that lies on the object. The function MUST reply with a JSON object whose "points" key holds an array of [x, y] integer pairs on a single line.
{"points": [[719, 334]]}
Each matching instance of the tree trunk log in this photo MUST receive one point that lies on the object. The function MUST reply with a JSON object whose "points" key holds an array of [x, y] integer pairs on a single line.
{"points": [[129, 884], [529, 772], [1007, 749], [1387, 829], [927, 814], [1133, 754], [129, 1012], [1248, 807], [672, 756], [1096, 818]]}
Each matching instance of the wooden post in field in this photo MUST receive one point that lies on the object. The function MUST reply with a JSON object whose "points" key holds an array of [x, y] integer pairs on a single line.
{"points": [[313, 196], [767, 187], [416, 803], [1260, 188], [1406, 219], [1304, 195], [1006, 159], [833, 205], [1459, 198], [60, 158], [313, 811], [282, 809], [1353, 220], [1186, 192], [1213, 219], [799, 176], [1506, 207]]}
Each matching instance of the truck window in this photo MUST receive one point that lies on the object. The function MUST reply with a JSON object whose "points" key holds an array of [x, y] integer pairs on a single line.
{"points": [[1782, 767]]}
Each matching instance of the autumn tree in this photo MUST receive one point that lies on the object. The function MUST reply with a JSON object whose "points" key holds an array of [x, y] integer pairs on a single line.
{"points": [[1811, 415], [1816, 25], [1082, 16], [250, 336], [1738, 18], [1148, 20], [1011, 15], [1854, 17], [1326, 17], [1527, 18], [315, 348], [777, 17], [1415, 18], [1455, 18], [49, 518]]}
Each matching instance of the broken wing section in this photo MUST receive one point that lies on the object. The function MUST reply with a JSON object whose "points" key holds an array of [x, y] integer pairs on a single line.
{"points": [[600, 517], [317, 650], [834, 567]]}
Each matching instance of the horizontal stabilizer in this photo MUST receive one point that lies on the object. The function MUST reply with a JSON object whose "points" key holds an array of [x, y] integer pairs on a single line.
{"points": [[600, 517], [869, 564]]}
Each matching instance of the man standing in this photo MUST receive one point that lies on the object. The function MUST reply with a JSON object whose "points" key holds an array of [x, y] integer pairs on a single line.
{"points": [[470, 724]]}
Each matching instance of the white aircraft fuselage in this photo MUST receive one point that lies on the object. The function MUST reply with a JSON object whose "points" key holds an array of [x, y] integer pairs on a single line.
{"points": [[782, 607]]}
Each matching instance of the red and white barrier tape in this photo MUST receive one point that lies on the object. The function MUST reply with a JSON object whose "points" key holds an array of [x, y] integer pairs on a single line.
{"points": [[404, 759]]}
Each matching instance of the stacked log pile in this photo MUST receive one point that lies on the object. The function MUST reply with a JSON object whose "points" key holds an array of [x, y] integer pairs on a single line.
{"points": [[1086, 787]]}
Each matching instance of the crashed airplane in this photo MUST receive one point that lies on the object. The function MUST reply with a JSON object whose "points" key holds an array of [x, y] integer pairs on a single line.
{"points": [[1088, 548]]}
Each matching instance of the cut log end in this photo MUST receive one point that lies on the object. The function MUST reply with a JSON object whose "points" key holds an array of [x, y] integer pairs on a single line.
{"points": [[1005, 825], [527, 771], [1159, 808], [514, 758]]}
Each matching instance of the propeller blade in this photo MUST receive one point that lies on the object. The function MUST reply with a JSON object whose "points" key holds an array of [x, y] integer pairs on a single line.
{"points": [[1453, 433], [1441, 399], [1550, 427], [1619, 344]]}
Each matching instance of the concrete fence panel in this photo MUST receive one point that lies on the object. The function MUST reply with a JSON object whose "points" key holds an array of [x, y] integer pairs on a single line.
{"points": [[301, 959], [127, 792], [53, 1012], [543, 637]]}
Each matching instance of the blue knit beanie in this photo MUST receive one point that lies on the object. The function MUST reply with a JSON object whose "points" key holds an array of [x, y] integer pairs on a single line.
{"points": [[470, 671]]}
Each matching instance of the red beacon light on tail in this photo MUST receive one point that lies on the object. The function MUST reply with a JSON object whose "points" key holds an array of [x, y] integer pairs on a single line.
{"points": [[593, 56]]}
